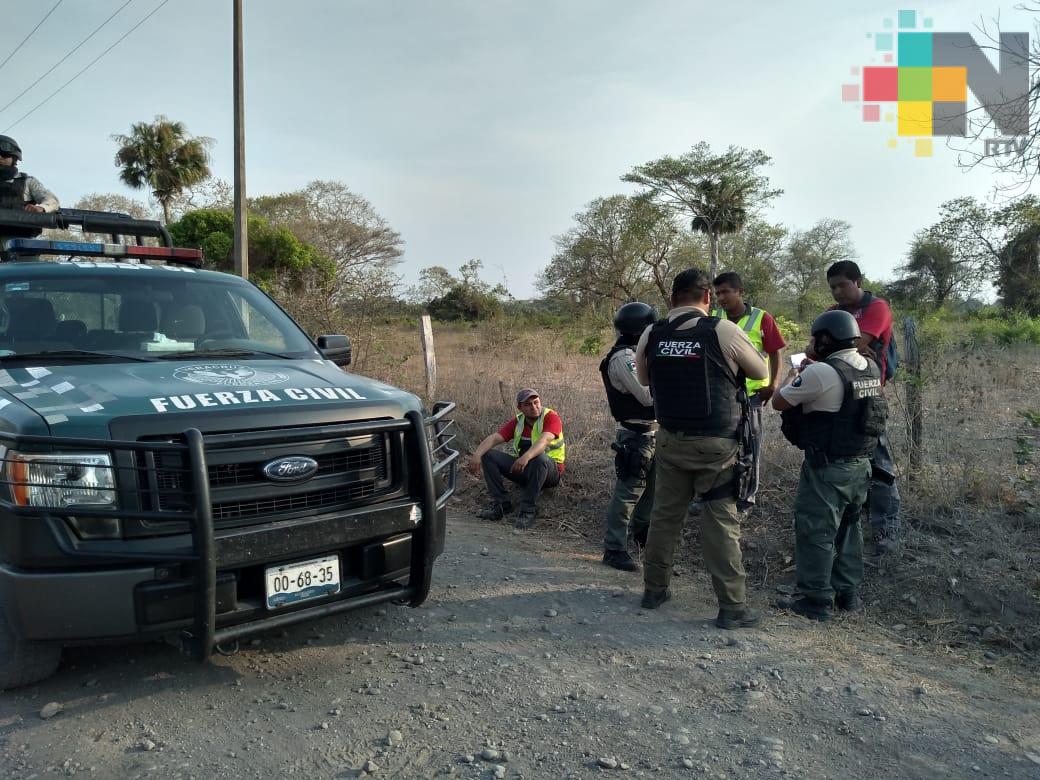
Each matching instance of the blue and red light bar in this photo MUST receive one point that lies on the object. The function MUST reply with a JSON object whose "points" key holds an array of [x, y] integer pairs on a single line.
{"points": [[34, 246]]}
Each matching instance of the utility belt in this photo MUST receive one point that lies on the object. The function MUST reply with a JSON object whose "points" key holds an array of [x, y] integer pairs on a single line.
{"points": [[643, 428], [819, 459]]}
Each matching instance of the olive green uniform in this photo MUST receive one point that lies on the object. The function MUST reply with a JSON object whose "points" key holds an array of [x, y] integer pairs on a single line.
{"points": [[831, 493], [827, 532], [628, 513], [691, 464]]}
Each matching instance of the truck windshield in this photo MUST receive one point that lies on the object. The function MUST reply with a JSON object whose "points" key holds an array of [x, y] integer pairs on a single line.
{"points": [[146, 313]]}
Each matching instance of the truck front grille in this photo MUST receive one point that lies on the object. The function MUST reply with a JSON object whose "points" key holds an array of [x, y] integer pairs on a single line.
{"points": [[321, 499], [233, 474], [350, 471]]}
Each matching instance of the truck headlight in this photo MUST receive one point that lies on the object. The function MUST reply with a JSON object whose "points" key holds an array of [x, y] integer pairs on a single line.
{"points": [[56, 480]]}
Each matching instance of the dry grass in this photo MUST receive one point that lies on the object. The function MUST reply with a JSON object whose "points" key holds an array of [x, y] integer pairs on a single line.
{"points": [[967, 569]]}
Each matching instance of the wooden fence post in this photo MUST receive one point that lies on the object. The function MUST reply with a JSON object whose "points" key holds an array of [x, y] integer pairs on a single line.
{"points": [[914, 416], [429, 358]]}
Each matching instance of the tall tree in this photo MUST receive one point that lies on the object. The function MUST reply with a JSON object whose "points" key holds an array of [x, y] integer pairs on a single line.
{"points": [[212, 193], [989, 244], [975, 233], [466, 297], [717, 191], [344, 227], [279, 258], [756, 252], [434, 282], [163, 157], [620, 248], [1019, 279], [803, 268], [361, 247], [932, 268]]}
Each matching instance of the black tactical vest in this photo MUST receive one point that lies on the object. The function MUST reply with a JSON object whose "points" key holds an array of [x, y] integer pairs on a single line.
{"points": [[623, 406], [695, 391], [12, 196], [853, 430]]}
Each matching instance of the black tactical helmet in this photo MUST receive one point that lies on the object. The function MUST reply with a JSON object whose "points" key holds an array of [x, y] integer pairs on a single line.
{"points": [[10, 146], [633, 318], [839, 325]]}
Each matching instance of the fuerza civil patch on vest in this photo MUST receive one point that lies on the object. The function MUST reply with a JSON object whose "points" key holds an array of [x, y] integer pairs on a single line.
{"points": [[690, 349]]}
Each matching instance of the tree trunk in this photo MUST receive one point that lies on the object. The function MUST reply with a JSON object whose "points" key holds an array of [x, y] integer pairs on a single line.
{"points": [[166, 211], [713, 241]]}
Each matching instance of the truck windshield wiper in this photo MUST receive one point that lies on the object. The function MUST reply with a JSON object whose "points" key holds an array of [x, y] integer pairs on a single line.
{"points": [[226, 352], [73, 354]]}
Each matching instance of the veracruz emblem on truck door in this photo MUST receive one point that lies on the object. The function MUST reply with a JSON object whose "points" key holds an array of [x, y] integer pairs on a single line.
{"points": [[294, 468]]}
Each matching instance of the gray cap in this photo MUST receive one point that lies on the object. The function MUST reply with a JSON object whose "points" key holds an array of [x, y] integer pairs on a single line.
{"points": [[525, 394]]}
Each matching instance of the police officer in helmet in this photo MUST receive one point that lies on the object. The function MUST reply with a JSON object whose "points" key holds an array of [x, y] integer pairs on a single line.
{"points": [[17, 190], [632, 406], [834, 411]]}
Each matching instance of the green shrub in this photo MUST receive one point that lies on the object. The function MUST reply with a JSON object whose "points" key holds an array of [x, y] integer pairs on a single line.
{"points": [[1005, 332], [789, 329], [592, 345]]}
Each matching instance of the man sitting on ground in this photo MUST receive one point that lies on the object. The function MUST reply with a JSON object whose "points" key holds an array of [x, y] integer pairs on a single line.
{"points": [[536, 460]]}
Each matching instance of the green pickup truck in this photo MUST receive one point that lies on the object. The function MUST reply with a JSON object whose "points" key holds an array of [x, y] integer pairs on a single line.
{"points": [[179, 461]]}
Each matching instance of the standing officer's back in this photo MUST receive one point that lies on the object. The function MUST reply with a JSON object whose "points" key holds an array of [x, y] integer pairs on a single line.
{"points": [[696, 367]]}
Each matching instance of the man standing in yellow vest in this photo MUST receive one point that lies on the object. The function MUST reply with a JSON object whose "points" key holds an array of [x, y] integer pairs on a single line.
{"points": [[761, 328], [535, 460]]}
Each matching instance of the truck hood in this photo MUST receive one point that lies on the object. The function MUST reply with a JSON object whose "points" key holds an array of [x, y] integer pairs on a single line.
{"points": [[81, 399]]}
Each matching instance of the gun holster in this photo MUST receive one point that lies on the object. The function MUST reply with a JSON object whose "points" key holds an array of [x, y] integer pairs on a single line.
{"points": [[629, 461], [881, 474]]}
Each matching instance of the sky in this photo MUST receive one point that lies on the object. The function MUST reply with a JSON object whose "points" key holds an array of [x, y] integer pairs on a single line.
{"points": [[478, 128]]}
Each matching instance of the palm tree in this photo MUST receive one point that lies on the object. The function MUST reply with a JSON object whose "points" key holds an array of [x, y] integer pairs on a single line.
{"points": [[719, 191], [721, 207], [162, 156]]}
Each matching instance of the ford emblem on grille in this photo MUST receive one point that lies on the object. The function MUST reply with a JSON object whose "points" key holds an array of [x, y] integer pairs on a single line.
{"points": [[294, 468]]}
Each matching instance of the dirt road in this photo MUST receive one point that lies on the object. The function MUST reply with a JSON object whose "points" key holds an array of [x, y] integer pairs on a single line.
{"points": [[531, 659]]}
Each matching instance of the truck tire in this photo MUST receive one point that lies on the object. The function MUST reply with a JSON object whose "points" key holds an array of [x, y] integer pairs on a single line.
{"points": [[23, 663]]}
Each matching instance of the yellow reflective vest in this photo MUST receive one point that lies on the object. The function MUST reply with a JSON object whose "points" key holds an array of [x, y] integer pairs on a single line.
{"points": [[751, 324], [555, 449]]}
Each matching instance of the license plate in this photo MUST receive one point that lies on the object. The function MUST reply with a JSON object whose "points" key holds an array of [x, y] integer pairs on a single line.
{"points": [[292, 583]]}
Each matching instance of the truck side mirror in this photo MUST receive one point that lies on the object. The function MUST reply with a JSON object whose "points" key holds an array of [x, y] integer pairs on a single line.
{"points": [[335, 348]]}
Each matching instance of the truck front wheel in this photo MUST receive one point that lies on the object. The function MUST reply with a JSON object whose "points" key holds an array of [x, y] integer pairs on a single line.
{"points": [[23, 663]]}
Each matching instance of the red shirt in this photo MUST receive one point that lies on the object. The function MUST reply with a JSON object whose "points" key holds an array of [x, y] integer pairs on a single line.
{"points": [[772, 341], [551, 424], [875, 322]]}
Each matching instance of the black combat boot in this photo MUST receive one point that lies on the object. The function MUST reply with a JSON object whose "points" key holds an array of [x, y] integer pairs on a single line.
{"points": [[737, 618], [495, 511], [652, 599], [808, 608], [848, 601], [620, 559]]}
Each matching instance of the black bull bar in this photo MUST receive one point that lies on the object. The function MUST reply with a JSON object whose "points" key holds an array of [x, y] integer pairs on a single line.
{"points": [[432, 468]]}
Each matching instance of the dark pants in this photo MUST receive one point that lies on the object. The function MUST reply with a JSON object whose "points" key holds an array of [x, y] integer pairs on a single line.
{"points": [[628, 513], [748, 501], [884, 503], [541, 472], [828, 538]]}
